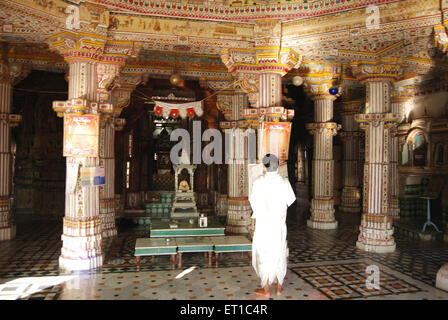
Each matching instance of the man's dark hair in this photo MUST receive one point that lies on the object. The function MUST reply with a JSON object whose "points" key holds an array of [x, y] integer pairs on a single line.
{"points": [[270, 161]]}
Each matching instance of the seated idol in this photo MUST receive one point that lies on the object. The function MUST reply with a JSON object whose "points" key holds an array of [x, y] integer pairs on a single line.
{"points": [[184, 186]]}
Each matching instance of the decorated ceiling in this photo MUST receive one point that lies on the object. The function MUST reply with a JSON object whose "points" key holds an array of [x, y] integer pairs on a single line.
{"points": [[191, 35]]}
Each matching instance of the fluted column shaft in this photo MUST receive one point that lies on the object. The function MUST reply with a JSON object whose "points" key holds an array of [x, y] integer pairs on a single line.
{"points": [[397, 105], [7, 227], [239, 209], [376, 230], [82, 240], [350, 158], [322, 202], [10, 73], [107, 191]]}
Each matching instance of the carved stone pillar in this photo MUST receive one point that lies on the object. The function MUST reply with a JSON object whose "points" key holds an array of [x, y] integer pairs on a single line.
{"points": [[259, 73], [232, 105], [9, 74], [107, 191], [88, 84], [318, 79], [350, 162], [376, 230], [398, 101]]}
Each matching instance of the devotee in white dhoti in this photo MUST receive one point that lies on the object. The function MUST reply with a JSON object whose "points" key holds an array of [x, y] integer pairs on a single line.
{"points": [[270, 197]]}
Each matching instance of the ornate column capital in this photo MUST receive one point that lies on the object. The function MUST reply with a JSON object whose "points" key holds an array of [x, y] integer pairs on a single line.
{"points": [[441, 38], [380, 70], [254, 115], [319, 78], [81, 106], [119, 124], [229, 125], [330, 128], [351, 107], [260, 60], [13, 73], [120, 98], [349, 134], [267, 57], [389, 119], [78, 46], [224, 104], [402, 94]]}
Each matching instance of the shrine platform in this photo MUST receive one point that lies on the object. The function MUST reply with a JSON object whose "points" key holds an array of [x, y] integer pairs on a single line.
{"points": [[162, 228]]}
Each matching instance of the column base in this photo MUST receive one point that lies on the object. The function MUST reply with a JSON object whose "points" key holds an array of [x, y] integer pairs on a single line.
{"points": [[376, 248], [322, 215], [349, 209], [81, 244], [350, 200], [376, 234], [107, 216], [8, 233], [69, 265], [394, 208], [108, 227], [302, 198], [322, 225], [238, 216]]}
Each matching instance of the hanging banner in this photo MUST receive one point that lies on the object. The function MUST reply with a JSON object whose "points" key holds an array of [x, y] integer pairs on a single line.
{"points": [[81, 135], [275, 139], [178, 109]]}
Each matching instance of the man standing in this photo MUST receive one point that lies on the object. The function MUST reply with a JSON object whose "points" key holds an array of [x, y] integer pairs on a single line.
{"points": [[270, 197]]}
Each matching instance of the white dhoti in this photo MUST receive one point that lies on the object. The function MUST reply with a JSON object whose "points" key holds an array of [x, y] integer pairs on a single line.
{"points": [[270, 197]]}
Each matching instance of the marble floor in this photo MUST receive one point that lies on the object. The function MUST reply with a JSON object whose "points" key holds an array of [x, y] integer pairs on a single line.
{"points": [[323, 265]]}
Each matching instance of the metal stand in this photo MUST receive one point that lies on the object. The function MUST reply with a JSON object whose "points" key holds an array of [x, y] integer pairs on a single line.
{"points": [[428, 216]]}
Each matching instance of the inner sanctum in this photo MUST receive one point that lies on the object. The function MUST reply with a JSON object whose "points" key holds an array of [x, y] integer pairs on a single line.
{"points": [[131, 135]]}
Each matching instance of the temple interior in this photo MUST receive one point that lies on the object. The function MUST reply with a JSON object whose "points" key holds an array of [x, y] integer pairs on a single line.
{"points": [[95, 94]]}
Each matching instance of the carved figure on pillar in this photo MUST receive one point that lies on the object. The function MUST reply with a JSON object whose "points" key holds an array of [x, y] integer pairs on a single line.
{"points": [[376, 230]]}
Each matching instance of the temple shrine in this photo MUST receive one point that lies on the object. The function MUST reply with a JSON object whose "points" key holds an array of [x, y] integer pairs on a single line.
{"points": [[96, 95]]}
